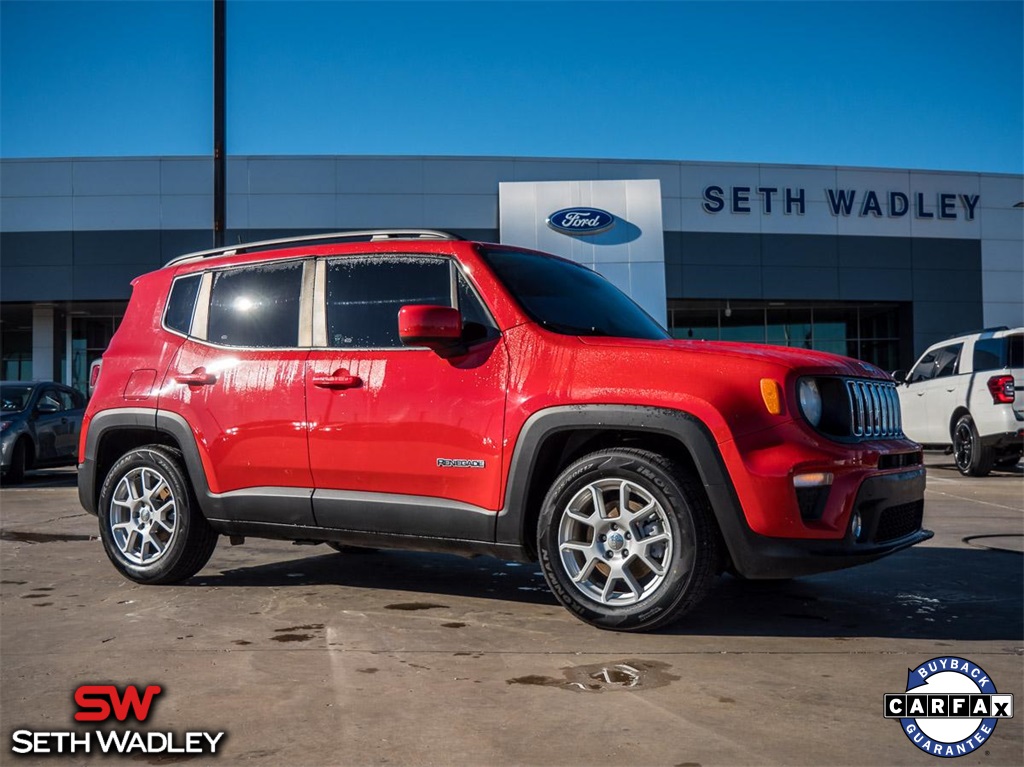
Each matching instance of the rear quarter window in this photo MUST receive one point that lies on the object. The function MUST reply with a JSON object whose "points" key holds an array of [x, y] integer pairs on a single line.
{"points": [[998, 353], [182, 303]]}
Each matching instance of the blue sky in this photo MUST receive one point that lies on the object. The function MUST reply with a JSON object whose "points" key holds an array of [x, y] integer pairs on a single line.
{"points": [[920, 84]]}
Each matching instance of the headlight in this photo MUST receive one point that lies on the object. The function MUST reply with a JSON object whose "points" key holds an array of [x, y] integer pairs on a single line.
{"points": [[810, 400]]}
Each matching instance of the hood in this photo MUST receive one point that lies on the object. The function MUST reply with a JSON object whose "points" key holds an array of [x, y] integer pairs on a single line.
{"points": [[783, 356]]}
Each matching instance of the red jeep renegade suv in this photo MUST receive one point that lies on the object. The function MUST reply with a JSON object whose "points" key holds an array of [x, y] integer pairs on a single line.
{"points": [[409, 389]]}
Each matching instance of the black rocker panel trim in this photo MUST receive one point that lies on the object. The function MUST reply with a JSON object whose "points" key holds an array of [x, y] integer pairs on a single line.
{"points": [[310, 534], [394, 514]]}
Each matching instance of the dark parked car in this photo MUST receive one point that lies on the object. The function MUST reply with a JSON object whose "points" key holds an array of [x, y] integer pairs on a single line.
{"points": [[40, 425]]}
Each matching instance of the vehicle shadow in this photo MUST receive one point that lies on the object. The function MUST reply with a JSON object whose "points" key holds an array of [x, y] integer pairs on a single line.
{"points": [[924, 593]]}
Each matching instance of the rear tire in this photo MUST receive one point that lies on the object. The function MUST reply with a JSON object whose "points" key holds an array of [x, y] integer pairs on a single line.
{"points": [[150, 523], [971, 458], [626, 540]]}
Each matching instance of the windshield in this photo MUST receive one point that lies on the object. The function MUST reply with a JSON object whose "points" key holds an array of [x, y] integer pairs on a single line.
{"points": [[15, 398], [569, 298]]}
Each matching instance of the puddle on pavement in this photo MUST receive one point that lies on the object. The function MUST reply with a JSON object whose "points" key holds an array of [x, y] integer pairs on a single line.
{"points": [[415, 606], [21, 537], [14, 583], [241, 642], [307, 627], [292, 638], [370, 670], [629, 674], [453, 625]]}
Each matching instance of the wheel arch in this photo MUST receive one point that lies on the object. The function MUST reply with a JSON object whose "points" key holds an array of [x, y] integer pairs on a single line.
{"points": [[112, 433], [958, 412], [26, 439], [553, 438]]}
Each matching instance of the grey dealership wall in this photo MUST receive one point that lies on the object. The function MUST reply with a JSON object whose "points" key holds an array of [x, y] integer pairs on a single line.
{"points": [[81, 229]]}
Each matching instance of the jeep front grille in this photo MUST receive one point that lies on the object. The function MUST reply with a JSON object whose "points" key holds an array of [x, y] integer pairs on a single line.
{"points": [[874, 409]]}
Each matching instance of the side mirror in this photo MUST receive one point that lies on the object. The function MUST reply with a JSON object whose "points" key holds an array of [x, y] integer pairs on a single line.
{"points": [[45, 408], [439, 328], [899, 376]]}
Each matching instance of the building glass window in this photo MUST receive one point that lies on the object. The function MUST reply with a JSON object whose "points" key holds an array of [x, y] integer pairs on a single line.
{"points": [[92, 327], [870, 332], [16, 342]]}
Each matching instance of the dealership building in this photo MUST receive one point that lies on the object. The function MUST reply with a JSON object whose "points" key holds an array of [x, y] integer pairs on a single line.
{"points": [[872, 263]]}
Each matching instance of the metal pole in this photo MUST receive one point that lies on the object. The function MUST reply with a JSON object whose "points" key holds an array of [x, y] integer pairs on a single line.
{"points": [[219, 123]]}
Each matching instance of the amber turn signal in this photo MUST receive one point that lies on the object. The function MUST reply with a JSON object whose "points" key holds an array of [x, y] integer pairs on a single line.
{"points": [[771, 393]]}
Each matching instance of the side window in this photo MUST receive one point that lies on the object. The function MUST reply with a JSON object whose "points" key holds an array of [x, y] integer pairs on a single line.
{"points": [[51, 397], [182, 302], [946, 360], [364, 296], [937, 364], [989, 354], [67, 401], [256, 306], [925, 369]]}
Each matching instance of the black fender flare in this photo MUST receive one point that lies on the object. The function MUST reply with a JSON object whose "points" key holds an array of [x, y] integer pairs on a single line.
{"points": [[684, 427], [158, 421]]}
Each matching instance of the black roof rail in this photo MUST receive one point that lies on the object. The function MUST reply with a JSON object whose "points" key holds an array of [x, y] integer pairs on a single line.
{"points": [[369, 235], [995, 329]]}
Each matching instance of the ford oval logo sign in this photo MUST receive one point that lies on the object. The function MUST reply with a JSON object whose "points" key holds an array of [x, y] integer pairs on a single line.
{"points": [[581, 221]]}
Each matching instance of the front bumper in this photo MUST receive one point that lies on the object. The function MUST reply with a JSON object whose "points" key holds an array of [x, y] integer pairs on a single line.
{"points": [[891, 510]]}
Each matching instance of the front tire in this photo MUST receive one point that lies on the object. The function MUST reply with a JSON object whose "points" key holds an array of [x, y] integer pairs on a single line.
{"points": [[150, 523], [971, 458], [626, 540], [15, 473]]}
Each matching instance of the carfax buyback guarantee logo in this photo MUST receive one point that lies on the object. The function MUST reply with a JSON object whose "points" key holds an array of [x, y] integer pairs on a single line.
{"points": [[950, 706]]}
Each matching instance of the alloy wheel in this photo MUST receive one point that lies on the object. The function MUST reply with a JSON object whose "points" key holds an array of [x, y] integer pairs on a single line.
{"points": [[615, 542], [143, 517]]}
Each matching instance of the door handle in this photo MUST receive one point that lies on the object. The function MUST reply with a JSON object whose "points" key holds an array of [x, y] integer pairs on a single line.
{"points": [[198, 377], [339, 379], [953, 389]]}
